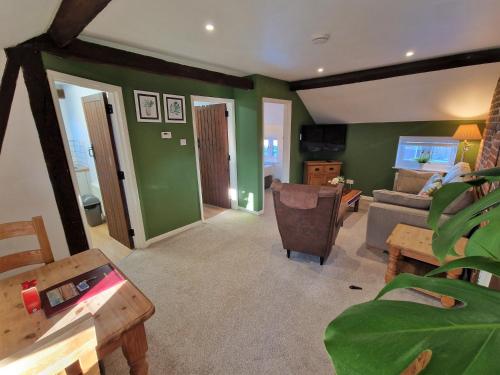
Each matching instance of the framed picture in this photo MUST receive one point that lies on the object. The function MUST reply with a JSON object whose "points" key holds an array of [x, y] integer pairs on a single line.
{"points": [[147, 106], [175, 108]]}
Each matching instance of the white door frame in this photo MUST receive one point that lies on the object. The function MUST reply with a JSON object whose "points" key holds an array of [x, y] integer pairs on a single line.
{"points": [[231, 135], [122, 143], [287, 129]]}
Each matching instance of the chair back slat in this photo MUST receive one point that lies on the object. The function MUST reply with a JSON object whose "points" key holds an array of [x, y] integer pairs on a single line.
{"points": [[24, 258], [30, 257], [16, 229]]}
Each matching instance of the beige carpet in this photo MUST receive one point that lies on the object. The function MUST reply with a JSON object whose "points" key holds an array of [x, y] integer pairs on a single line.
{"points": [[228, 301]]}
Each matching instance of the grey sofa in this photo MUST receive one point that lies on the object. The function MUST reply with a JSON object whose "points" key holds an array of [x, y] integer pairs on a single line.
{"points": [[403, 205]]}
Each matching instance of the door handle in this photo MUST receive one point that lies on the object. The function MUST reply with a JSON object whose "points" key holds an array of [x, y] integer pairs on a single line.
{"points": [[91, 151]]}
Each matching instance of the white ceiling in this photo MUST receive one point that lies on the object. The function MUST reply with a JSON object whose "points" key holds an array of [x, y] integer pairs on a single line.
{"points": [[453, 94], [24, 19], [272, 37]]}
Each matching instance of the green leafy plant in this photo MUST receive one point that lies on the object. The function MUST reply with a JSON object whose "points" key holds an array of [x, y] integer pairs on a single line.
{"points": [[386, 337], [424, 157]]}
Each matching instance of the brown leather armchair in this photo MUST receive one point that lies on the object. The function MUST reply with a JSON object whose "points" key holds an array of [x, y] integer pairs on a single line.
{"points": [[307, 217]]}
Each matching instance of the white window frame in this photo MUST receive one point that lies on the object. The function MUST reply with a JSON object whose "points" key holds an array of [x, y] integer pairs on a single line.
{"points": [[428, 142]]}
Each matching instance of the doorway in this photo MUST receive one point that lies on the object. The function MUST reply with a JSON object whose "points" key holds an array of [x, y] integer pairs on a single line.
{"points": [[276, 120], [215, 145], [89, 119]]}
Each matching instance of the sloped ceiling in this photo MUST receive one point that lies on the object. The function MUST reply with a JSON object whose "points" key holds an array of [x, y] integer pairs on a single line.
{"points": [[273, 38], [462, 93], [23, 19]]}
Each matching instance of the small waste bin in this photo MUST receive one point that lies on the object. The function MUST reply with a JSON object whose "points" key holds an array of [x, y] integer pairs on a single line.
{"points": [[93, 210]]}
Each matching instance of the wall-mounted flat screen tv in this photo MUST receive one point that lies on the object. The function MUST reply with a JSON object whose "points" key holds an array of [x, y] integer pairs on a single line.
{"points": [[315, 138]]}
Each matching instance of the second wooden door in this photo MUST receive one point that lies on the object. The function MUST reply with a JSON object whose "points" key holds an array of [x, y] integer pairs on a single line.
{"points": [[211, 126], [106, 162]]}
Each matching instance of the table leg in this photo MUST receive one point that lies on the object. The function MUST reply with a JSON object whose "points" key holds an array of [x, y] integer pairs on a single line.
{"points": [[392, 265], [356, 206], [134, 347], [447, 301]]}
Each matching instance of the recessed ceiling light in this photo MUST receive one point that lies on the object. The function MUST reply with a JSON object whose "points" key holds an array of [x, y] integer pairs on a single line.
{"points": [[209, 27], [320, 70], [409, 53]]}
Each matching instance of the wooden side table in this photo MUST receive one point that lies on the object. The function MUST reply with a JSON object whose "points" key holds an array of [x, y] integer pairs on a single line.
{"points": [[416, 243]]}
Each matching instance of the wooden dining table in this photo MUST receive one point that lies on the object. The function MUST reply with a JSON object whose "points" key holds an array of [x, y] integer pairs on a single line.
{"points": [[119, 312]]}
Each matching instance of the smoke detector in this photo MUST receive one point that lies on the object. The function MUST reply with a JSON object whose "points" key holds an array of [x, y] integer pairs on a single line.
{"points": [[320, 38]]}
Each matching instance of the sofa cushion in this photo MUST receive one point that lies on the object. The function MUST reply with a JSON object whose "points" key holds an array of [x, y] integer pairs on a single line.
{"points": [[409, 181], [434, 183], [455, 173], [402, 199]]}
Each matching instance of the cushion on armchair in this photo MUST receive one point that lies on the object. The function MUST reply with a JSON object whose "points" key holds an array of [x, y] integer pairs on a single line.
{"points": [[432, 185], [402, 199], [408, 181], [455, 173]]}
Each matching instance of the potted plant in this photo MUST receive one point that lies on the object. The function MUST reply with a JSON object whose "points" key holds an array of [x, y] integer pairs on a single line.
{"points": [[397, 337], [423, 158]]}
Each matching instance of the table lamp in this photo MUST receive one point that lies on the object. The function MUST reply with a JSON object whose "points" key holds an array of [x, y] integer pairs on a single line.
{"points": [[466, 133]]}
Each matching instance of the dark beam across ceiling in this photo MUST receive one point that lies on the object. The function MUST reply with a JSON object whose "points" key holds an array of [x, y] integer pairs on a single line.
{"points": [[415, 67], [72, 17], [100, 54]]}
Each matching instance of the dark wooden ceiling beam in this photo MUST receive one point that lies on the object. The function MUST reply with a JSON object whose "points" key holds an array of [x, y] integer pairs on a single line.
{"points": [[7, 89], [72, 17], [97, 53], [415, 67]]}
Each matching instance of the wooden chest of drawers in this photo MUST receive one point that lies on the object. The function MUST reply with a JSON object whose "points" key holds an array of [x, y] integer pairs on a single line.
{"points": [[320, 171]]}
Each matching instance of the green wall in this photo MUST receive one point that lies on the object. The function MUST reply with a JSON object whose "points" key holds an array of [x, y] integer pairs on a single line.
{"points": [[249, 107], [371, 149], [166, 171]]}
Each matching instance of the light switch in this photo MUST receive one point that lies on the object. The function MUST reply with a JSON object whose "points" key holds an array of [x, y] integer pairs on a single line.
{"points": [[183, 142], [166, 135], [349, 182]]}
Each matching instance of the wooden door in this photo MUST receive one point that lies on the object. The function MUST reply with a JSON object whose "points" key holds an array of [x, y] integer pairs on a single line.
{"points": [[211, 125], [106, 162]]}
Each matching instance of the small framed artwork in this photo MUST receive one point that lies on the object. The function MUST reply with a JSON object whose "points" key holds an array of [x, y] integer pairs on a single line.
{"points": [[175, 108], [147, 106]]}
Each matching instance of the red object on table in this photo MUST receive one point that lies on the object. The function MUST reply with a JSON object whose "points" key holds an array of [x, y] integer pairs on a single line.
{"points": [[31, 298]]}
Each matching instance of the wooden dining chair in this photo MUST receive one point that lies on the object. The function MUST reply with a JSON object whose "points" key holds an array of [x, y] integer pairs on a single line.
{"points": [[70, 350], [26, 258]]}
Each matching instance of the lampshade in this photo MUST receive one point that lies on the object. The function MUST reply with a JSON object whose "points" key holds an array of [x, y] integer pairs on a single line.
{"points": [[469, 132]]}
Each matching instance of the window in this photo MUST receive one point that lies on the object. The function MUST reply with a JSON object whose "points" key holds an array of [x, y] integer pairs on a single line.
{"points": [[271, 151], [440, 153]]}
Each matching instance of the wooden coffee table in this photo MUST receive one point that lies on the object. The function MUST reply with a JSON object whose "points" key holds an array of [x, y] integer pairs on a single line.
{"points": [[416, 243], [351, 199]]}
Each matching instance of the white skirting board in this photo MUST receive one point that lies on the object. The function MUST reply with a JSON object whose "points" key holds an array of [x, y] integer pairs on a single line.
{"points": [[174, 232], [250, 211]]}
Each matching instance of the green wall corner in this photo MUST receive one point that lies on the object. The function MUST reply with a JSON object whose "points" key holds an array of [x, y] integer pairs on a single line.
{"points": [[166, 172], [371, 149]]}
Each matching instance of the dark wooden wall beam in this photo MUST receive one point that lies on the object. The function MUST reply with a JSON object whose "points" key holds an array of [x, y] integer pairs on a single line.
{"points": [[97, 53], [72, 17], [44, 114], [7, 89], [421, 66]]}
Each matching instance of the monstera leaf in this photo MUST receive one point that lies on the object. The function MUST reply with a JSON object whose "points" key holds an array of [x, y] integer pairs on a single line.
{"points": [[385, 337], [486, 211]]}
